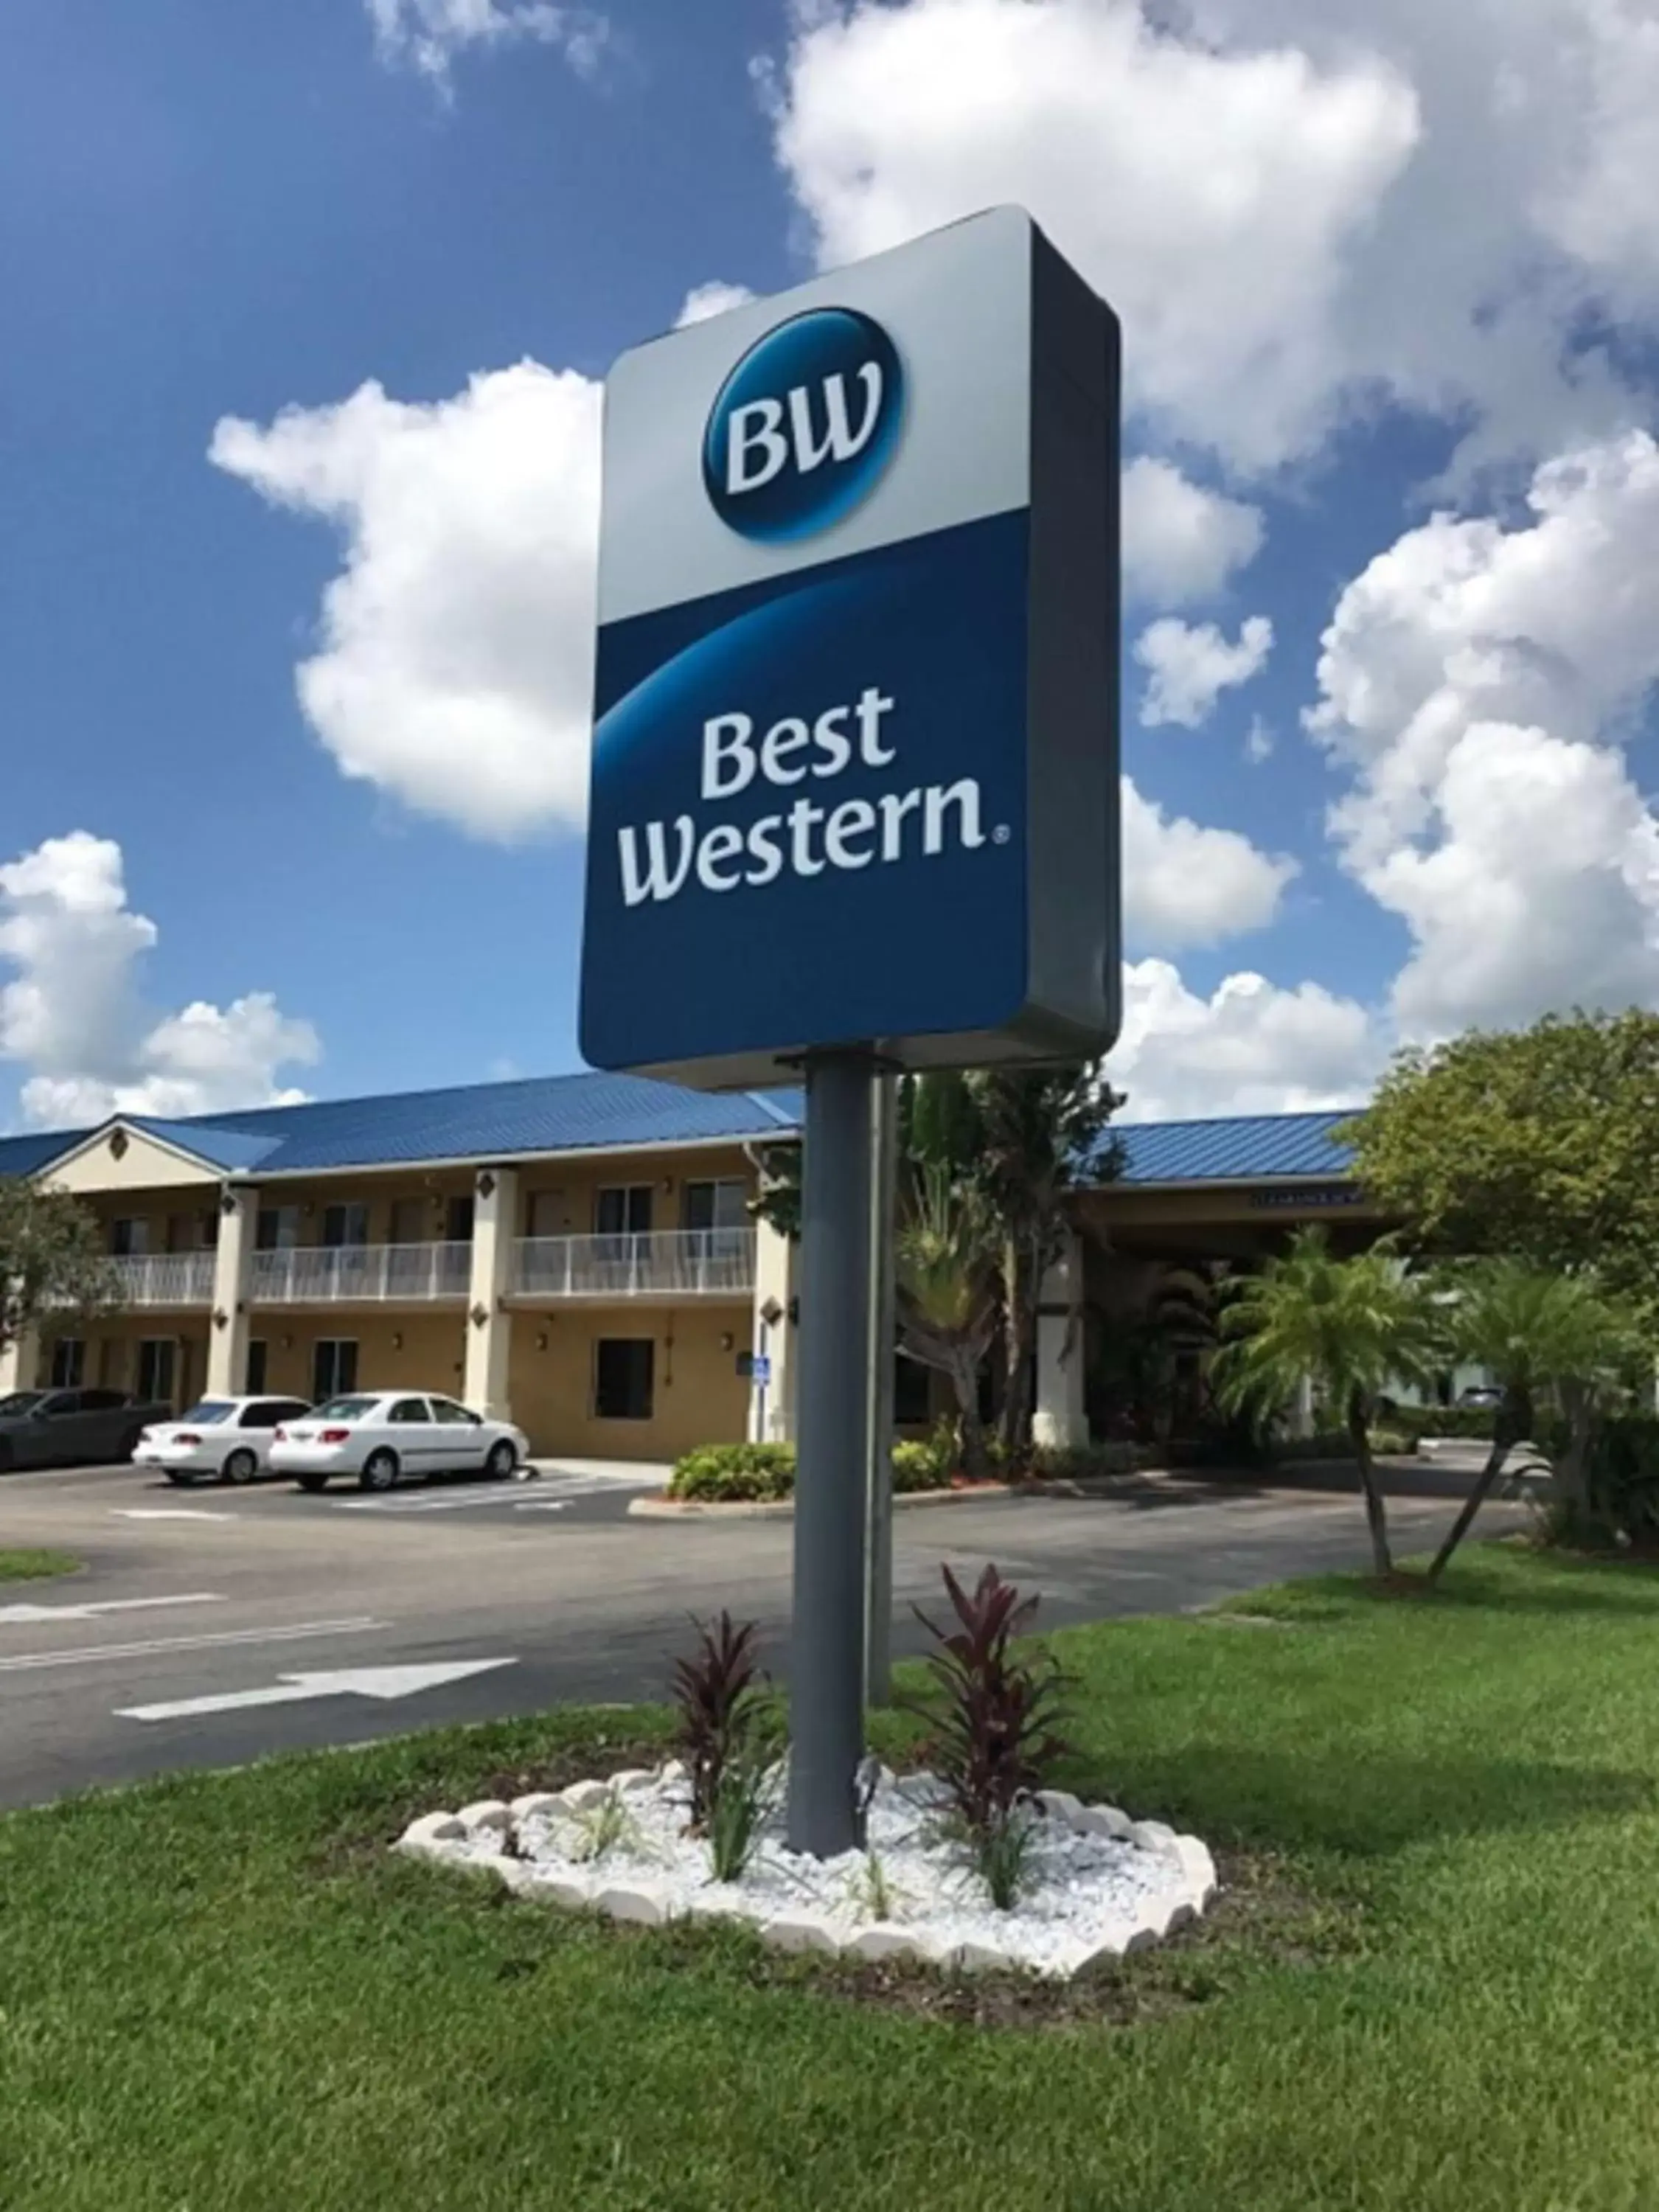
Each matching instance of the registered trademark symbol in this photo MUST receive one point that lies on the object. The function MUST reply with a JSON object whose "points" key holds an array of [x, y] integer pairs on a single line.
{"points": [[1001, 834]]}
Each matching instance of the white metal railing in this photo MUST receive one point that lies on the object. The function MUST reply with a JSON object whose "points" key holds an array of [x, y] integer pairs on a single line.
{"points": [[678, 1263], [163, 1279], [335, 1275]]}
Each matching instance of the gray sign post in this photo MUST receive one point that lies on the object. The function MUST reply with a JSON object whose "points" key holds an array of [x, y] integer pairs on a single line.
{"points": [[826, 1683]]}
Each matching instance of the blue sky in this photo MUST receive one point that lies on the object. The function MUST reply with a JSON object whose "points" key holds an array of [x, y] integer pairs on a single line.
{"points": [[1357, 287]]}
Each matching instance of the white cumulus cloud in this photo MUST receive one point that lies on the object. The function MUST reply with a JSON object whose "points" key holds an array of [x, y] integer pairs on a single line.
{"points": [[428, 34], [1181, 543], [1190, 665], [713, 298], [71, 1011], [455, 664], [1298, 207], [1477, 681], [1252, 1047], [1185, 884]]}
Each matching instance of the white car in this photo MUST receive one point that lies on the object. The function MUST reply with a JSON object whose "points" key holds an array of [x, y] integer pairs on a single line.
{"points": [[383, 1436], [219, 1440]]}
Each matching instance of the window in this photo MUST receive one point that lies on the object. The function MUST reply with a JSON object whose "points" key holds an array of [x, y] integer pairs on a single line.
{"points": [[723, 1205], [408, 1410], [411, 1220], [258, 1355], [69, 1363], [181, 1232], [209, 1412], [624, 1367], [344, 1409], [157, 1356], [102, 1401], [624, 1210], [276, 1228], [445, 1409], [270, 1411], [129, 1235], [458, 1220], [61, 1404], [912, 1393], [333, 1366], [345, 1225]]}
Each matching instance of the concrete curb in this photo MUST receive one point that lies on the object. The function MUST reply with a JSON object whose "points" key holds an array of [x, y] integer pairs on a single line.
{"points": [[659, 1508]]}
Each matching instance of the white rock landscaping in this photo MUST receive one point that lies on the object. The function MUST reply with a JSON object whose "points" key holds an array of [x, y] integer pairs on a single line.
{"points": [[1098, 1884]]}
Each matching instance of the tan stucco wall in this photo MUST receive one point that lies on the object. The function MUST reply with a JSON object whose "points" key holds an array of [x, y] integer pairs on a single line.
{"points": [[111, 1354], [699, 1397], [142, 1166], [571, 1185], [429, 1357]]}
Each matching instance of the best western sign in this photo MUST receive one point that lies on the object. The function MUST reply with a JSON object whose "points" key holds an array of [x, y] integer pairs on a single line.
{"points": [[855, 745]]}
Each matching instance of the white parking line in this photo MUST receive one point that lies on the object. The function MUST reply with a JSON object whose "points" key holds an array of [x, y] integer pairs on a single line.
{"points": [[88, 1654], [166, 1513], [562, 1488], [11, 1614], [420, 1505]]}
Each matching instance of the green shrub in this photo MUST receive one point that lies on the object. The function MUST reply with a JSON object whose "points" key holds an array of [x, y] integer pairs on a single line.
{"points": [[731, 1475], [928, 1462], [915, 1467], [1081, 1462], [1418, 1421], [1624, 1478], [764, 1475]]}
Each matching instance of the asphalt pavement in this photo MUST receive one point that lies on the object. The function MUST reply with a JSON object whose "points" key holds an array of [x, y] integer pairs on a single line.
{"points": [[208, 1626]]}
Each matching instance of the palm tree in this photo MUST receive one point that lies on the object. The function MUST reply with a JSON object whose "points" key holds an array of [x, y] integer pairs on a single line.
{"points": [[945, 1261], [1350, 1326], [1531, 1330], [1038, 1132]]}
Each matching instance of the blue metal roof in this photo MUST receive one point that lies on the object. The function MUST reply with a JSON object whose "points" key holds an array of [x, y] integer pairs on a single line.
{"points": [[579, 1113], [21, 1155], [492, 1121], [1243, 1148], [233, 1150]]}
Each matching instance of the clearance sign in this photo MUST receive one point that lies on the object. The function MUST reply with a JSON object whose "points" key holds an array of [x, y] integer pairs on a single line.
{"points": [[854, 778]]}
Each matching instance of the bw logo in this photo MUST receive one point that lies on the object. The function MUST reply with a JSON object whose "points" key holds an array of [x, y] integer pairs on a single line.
{"points": [[804, 426]]}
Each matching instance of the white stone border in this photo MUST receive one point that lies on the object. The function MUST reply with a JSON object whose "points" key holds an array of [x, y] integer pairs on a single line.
{"points": [[472, 1837]]}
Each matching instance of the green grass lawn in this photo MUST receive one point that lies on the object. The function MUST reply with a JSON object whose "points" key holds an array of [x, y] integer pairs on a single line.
{"points": [[29, 1566], [1441, 1996]]}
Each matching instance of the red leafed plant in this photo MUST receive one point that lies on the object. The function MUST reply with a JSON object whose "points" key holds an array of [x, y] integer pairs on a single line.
{"points": [[995, 1720], [718, 1690]]}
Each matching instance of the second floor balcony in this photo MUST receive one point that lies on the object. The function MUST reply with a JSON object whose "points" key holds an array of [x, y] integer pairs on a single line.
{"points": [[360, 1274], [655, 1263], [664, 1263], [163, 1279]]}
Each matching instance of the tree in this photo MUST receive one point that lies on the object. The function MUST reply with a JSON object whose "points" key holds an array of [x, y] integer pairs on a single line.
{"points": [[1350, 1327], [1039, 1134], [1531, 1330], [52, 1264], [943, 1260], [1537, 1145], [1022, 1139]]}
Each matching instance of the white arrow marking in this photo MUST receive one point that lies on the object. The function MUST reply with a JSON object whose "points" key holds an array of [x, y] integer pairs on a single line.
{"points": [[382, 1682], [166, 1513], [19, 1612], [88, 1655]]}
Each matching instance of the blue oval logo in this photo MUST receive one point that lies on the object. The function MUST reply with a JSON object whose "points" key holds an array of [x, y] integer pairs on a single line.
{"points": [[804, 426]]}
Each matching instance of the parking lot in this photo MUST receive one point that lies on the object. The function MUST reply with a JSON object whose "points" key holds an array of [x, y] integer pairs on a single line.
{"points": [[210, 1626]]}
